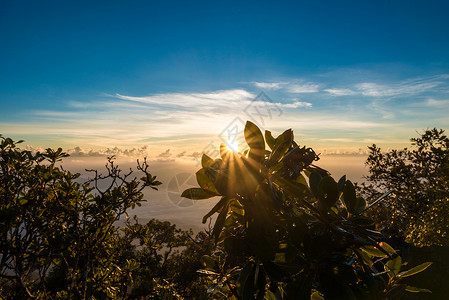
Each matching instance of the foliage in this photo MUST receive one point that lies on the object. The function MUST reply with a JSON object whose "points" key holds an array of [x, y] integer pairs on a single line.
{"points": [[419, 178], [58, 237], [290, 231], [168, 259]]}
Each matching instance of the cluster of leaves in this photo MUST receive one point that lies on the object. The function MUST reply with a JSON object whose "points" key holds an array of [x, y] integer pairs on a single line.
{"points": [[418, 209], [288, 230]]}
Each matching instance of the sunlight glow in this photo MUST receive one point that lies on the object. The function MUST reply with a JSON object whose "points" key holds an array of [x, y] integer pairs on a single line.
{"points": [[232, 146]]}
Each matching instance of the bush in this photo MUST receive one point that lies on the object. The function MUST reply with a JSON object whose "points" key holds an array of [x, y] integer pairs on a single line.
{"points": [[58, 237], [418, 209]]}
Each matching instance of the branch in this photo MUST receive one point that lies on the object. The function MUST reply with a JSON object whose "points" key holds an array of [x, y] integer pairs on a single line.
{"points": [[377, 201]]}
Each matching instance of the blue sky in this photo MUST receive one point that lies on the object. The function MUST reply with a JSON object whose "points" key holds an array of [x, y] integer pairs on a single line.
{"points": [[91, 75]]}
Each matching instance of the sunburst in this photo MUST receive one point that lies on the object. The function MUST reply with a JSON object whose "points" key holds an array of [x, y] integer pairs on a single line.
{"points": [[232, 146]]}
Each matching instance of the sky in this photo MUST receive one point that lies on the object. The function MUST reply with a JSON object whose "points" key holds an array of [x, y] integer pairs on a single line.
{"points": [[173, 79]]}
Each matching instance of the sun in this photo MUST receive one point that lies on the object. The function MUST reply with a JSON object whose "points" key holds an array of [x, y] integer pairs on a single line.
{"points": [[232, 146]]}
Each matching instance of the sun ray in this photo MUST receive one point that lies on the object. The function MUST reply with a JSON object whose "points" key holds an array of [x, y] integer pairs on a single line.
{"points": [[232, 146]]}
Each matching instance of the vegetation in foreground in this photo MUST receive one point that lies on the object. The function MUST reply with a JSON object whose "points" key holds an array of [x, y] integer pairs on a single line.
{"points": [[285, 229]]}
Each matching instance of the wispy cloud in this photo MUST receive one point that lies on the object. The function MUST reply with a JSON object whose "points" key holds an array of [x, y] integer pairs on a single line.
{"points": [[297, 104], [225, 100], [437, 103], [340, 92], [299, 88], [405, 87], [269, 85], [408, 87], [381, 107], [192, 100]]}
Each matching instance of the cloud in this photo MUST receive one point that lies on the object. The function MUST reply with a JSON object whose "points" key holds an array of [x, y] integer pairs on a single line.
{"points": [[345, 152], [437, 103], [165, 154], [408, 87], [168, 155], [193, 100], [340, 92], [298, 88], [32, 149], [115, 151], [136, 152], [269, 85], [296, 104], [381, 107]]}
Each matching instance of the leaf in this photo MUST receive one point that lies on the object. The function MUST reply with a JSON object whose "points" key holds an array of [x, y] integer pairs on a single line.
{"points": [[283, 143], [393, 266], [197, 194], [253, 136], [245, 282], [352, 203], [209, 262], [270, 139], [269, 295], [415, 270], [365, 258], [373, 251], [416, 290], [316, 296], [300, 179], [219, 223], [314, 182], [360, 206], [255, 141], [205, 182], [223, 201], [294, 188], [206, 161], [396, 292], [327, 191], [387, 248], [341, 183]]}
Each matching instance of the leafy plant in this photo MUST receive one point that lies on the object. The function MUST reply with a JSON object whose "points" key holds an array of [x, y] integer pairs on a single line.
{"points": [[288, 230], [418, 209]]}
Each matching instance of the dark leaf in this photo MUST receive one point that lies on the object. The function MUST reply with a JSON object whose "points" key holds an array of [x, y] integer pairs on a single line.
{"points": [[222, 203], [314, 182], [219, 223], [327, 191], [197, 194]]}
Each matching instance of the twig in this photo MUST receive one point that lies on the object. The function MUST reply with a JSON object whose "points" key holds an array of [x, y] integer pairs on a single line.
{"points": [[377, 201]]}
